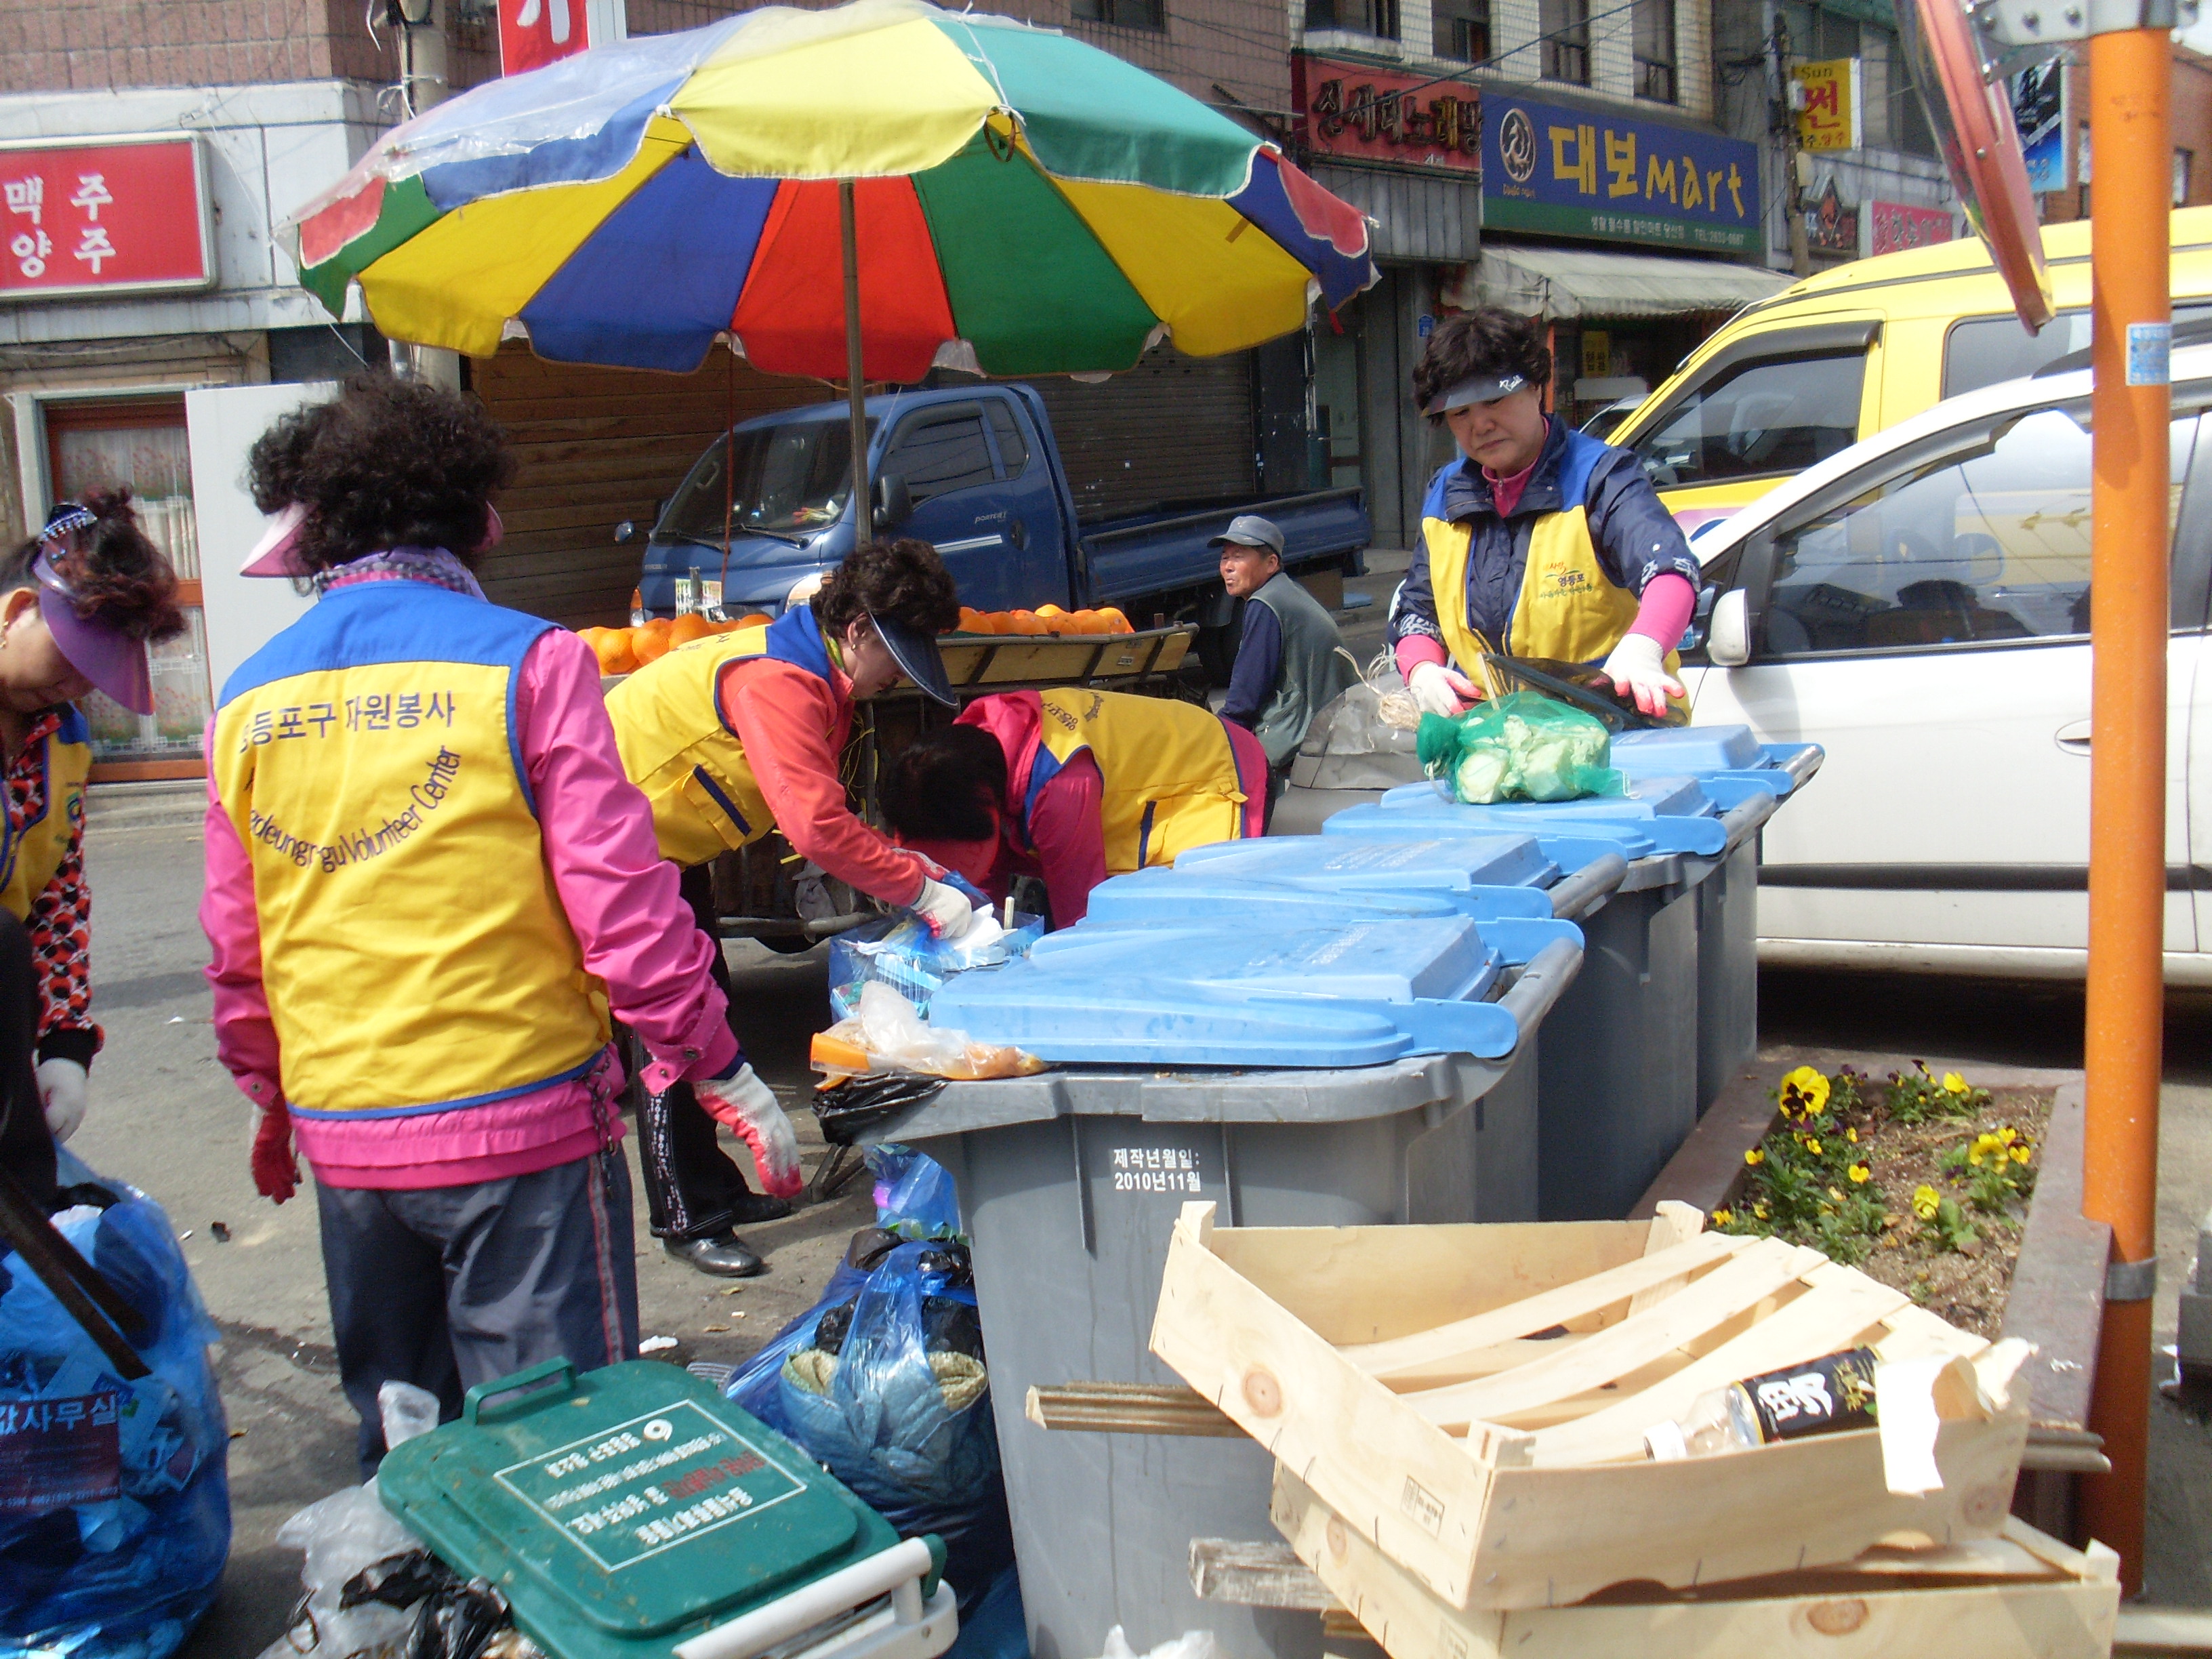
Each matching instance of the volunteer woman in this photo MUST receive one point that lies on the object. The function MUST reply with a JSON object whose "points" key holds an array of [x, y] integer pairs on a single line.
{"points": [[428, 884], [735, 735], [77, 604], [1539, 541], [1073, 787]]}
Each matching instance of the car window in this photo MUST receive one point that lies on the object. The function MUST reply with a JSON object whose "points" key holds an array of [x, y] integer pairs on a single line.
{"points": [[1969, 548], [1981, 351], [1013, 448], [1764, 416], [940, 450]]}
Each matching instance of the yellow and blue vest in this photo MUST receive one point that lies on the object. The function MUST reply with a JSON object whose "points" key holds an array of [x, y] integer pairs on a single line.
{"points": [[1169, 771], [1567, 609], [677, 748], [30, 857], [415, 955]]}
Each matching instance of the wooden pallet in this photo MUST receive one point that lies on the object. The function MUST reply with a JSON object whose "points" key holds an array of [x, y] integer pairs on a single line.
{"points": [[2017, 1595], [1472, 1399]]}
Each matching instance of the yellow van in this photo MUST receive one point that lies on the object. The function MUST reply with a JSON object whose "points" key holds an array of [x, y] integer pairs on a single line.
{"points": [[1838, 357]]}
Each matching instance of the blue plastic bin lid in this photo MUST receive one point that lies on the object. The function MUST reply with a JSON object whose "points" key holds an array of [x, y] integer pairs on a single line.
{"points": [[1672, 796], [1572, 847], [1687, 750], [1355, 994], [1175, 895], [1484, 875]]}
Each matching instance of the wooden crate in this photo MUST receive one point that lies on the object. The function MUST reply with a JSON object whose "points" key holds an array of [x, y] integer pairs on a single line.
{"points": [[2017, 1595], [975, 661], [1398, 1372]]}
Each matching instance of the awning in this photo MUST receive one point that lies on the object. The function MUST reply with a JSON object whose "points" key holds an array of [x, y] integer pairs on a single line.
{"points": [[1573, 282]]}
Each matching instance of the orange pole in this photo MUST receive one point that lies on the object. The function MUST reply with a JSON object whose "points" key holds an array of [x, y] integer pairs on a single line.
{"points": [[2129, 75]]}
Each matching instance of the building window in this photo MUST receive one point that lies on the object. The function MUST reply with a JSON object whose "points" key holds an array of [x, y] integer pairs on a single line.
{"points": [[1655, 50], [1124, 13], [1462, 30], [2182, 158], [1565, 26], [1375, 17]]}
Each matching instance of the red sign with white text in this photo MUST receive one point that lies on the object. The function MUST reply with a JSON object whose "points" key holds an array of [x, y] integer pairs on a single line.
{"points": [[535, 32], [103, 216], [1357, 111], [1897, 225]]}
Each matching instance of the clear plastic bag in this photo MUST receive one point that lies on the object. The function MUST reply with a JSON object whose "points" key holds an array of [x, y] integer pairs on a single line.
{"points": [[901, 953], [114, 1499], [1519, 747], [885, 1033], [885, 1385], [914, 1195], [1191, 1644]]}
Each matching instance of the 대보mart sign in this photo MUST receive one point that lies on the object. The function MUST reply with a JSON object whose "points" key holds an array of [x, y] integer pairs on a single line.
{"points": [[1577, 173], [126, 214], [1363, 113]]}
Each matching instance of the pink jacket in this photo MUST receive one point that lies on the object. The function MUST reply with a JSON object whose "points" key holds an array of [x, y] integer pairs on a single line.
{"points": [[637, 933]]}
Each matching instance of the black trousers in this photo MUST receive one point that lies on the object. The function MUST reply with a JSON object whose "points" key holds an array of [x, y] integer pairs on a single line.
{"points": [[690, 1183], [27, 1146]]}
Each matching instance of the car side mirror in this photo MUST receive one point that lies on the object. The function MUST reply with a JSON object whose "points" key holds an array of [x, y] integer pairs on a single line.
{"points": [[894, 500], [1729, 644], [625, 532]]}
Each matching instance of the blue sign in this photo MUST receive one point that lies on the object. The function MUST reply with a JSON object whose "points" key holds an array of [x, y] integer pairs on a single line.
{"points": [[1582, 172]]}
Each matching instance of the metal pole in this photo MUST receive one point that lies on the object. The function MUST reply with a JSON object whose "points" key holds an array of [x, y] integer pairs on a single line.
{"points": [[856, 390], [2129, 77]]}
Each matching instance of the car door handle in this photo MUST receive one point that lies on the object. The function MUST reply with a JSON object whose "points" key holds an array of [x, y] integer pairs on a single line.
{"points": [[2074, 738]]}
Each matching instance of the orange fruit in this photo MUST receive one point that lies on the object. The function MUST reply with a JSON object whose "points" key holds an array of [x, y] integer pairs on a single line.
{"points": [[1114, 621], [1026, 623], [970, 619], [754, 619], [687, 628], [1085, 621], [617, 655], [1050, 610], [650, 643]]}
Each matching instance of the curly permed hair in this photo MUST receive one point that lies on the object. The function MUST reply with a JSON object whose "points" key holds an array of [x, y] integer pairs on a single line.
{"points": [[942, 786], [388, 463], [1489, 340], [903, 580], [117, 576]]}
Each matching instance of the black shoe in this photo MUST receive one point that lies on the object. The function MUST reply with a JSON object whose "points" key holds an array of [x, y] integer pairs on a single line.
{"points": [[722, 1257], [750, 1209]]}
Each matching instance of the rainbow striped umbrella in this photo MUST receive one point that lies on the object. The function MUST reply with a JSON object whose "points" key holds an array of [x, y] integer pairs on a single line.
{"points": [[1020, 203]]}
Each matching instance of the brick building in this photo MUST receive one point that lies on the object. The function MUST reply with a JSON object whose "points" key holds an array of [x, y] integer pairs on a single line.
{"points": [[277, 98]]}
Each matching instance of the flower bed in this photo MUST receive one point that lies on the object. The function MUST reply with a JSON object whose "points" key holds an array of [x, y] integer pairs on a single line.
{"points": [[1920, 1181]]}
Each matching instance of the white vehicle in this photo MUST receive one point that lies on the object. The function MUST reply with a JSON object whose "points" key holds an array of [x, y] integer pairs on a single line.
{"points": [[1919, 603]]}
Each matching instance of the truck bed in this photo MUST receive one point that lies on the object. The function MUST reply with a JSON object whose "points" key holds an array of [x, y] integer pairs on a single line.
{"points": [[1144, 553]]}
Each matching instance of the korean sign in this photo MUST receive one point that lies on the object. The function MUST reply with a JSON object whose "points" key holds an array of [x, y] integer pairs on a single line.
{"points": [[1829, 117], [1895, 225], [535, 32], [1575, 173], [1369, 114], [104, 215]]}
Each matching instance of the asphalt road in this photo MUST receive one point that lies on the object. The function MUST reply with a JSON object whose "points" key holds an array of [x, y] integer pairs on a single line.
{"points": [[165, 1117]]}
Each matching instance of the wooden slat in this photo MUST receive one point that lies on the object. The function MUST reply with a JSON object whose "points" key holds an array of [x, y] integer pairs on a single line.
{"points": [[1256, 1575], [1674, 1222], [1430, 1352], [1733, 1288], [1835, 1314], [1125, 1409]]}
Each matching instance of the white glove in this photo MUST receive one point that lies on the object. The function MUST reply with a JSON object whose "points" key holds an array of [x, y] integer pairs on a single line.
{"points": [[749, 1106], [1440, 690], [945, 909], [62, 1092], [1637, 669]]}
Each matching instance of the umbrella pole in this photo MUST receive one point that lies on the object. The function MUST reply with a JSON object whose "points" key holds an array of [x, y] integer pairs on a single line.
{"points": [[856, 390]]}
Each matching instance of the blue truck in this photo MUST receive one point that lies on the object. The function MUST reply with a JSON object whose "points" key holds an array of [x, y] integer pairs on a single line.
{"points": [[975, 471]]}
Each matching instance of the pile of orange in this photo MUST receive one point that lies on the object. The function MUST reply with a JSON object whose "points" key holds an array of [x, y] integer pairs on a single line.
{"points": [[624, 650], [1045, 619]]}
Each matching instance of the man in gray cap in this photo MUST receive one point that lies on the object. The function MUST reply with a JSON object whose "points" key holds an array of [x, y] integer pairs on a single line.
{"points": [[1292, 662]]}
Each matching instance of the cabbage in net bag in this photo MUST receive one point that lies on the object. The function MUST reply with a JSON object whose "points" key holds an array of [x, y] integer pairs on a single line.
{"points": [[1520, 747]]}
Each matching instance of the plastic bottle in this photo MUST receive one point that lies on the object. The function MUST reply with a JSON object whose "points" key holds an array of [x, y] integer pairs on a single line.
{"points": [[1826, 1396], [637, 616]]}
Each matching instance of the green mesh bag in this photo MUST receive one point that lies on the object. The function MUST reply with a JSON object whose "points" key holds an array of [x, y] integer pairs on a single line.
{"points": [[1520, 747]]}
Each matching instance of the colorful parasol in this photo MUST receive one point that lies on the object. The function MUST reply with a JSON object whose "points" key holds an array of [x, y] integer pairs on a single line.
{"points": [[1021, 201]]}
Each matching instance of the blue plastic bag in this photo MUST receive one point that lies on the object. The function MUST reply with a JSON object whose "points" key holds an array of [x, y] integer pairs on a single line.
{"points": [[900, 952], [885, 1386], [115, 1496], [914, 1195]]}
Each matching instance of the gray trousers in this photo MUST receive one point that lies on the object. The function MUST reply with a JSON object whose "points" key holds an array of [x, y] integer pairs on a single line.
{"points": [[447, 1287]]}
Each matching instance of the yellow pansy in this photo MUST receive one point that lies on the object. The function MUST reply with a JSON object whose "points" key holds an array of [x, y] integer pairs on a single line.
{"points": [[1722, 1218], [1925, 1201], [1859, 1173], [1809, 1085], [1755, 1157], [1953, 1083]]}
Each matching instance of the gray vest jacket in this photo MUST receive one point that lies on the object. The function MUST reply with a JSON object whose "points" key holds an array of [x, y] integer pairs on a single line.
{"points": [[1317, 668]]}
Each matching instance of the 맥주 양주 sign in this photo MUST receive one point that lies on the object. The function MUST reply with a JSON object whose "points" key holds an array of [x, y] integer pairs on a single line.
{"points": [[1581, 172], [104, 215]]}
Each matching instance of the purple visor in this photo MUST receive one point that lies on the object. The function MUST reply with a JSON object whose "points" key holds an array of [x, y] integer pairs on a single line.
{"points": [[277, 552], [115, 663]]}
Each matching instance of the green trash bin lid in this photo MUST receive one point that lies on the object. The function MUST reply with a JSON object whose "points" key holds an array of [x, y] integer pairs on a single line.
{"points": [[622, 1510]]}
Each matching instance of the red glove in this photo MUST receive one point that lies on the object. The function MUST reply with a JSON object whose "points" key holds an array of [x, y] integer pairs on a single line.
{"points": [[276, 1172], [749, 1106]]}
